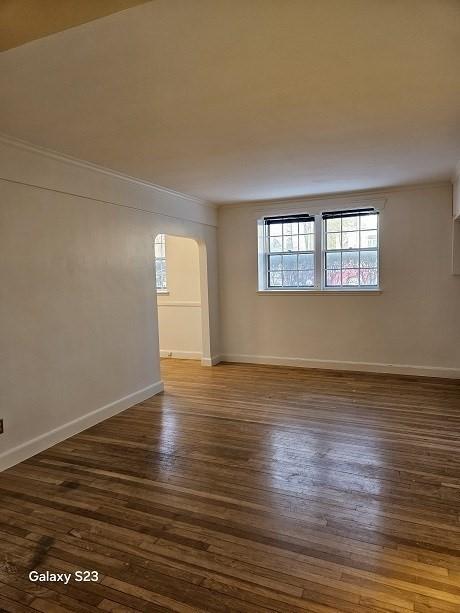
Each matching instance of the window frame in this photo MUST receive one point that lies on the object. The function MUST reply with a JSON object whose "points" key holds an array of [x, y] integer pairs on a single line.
{"points": [[320, 251], [162, 241], [363, 212], [268, 253]]}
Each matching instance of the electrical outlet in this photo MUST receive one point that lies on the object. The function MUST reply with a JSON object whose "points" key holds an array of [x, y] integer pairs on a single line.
{"points": [[1, 426]]}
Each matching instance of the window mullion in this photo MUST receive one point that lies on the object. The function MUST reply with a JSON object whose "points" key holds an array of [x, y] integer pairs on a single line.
{"points": [[267, 256], [319, 255]]}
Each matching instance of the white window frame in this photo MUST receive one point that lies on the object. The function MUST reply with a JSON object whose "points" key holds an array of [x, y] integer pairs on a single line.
{"points": [[342, 250], [161, 239], [268, 253], [319, 256]]}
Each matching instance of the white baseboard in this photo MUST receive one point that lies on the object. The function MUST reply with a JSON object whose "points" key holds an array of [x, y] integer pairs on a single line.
{"points": [[180, 355], [212, 361], [190, 355], [396, 369], [176, 303], [44, 441]]}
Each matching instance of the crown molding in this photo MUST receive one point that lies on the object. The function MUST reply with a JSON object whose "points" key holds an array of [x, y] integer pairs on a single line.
{"points": [[365, 194], [68, 159], [292, 201]]}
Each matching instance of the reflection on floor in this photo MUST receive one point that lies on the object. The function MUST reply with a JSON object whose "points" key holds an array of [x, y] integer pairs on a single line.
{"points": [[247, 488]]}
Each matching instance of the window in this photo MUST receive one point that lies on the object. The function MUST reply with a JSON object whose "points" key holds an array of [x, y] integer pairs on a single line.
{"points": [[351, 249], [291, 251], [160, 263], [330, 250]]}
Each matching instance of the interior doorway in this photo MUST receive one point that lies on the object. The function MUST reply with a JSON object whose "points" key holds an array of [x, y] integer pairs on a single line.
{"points": [[179, 297]]}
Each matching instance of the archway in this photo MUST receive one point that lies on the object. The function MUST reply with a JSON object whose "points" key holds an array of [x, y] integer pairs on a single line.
{"points": [[182, 297]]}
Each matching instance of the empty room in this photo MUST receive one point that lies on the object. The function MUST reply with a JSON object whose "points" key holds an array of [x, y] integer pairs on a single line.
{"points": [[230, 306]]}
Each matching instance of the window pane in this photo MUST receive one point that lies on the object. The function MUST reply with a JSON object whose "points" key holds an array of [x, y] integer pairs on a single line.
{"points": [[350, 223], [160, 262], [334, 260], [274, 262], [291, 228], [350, 259], [368, 238], [368, 259], [368, 222], [350, 276], [276, 244], [306, 261], [333, 278], [307, 242], [333, 241], [350, 240], [368, 276], [334, 225], [290, 243], [276, 279], [290, 278], [275, 229], [289, 262], [307, 227], [161, 280], [306, 278]]}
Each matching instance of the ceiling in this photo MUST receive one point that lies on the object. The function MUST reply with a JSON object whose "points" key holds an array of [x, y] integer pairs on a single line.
{"points": [[25, 20], [234, 100]]}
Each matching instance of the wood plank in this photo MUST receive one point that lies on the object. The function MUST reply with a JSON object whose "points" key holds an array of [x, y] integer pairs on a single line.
{"points": [[247, 488]]}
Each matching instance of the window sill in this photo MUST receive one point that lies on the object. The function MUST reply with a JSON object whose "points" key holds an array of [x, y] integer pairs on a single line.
{"points": [[320, 292]]}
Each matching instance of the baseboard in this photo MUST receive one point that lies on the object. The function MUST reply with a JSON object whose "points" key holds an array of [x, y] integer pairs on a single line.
{"points": [[396, 369], [180, 355], [212, 361], [59, 434]]}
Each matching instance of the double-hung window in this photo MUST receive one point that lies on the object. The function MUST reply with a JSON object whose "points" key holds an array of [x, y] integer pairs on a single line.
{"points": [[326, 251], [351, 249], [290, 254]]}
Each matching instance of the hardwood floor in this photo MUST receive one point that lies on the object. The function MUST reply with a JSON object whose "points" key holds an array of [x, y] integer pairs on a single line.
{"points": [[247, 488]]}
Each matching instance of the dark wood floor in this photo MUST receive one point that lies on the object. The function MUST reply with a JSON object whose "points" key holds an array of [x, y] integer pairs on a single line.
{"points": [[247, 488]]}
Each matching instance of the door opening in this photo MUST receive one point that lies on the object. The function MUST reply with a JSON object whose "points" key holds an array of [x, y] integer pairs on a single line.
{"points": [[179, 301]]}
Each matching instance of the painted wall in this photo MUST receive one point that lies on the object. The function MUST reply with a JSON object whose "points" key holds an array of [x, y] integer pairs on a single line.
{"points": [[179, 311], [456, 247], [78, 327], [456, 199], [412, 326], [456, 194], [456, 224]]}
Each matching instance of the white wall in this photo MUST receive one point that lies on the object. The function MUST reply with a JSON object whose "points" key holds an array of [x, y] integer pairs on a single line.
{"points": [[456, 194], [411, 327], [179, 311], [79, 336], [456, 247], [456, 224]]}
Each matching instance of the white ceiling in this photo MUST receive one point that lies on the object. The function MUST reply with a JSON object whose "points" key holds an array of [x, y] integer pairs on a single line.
{"points": [[233, 100], [25, 20]]}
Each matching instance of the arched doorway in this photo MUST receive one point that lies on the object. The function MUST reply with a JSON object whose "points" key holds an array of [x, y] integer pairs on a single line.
{"points": [[182, 305]]}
